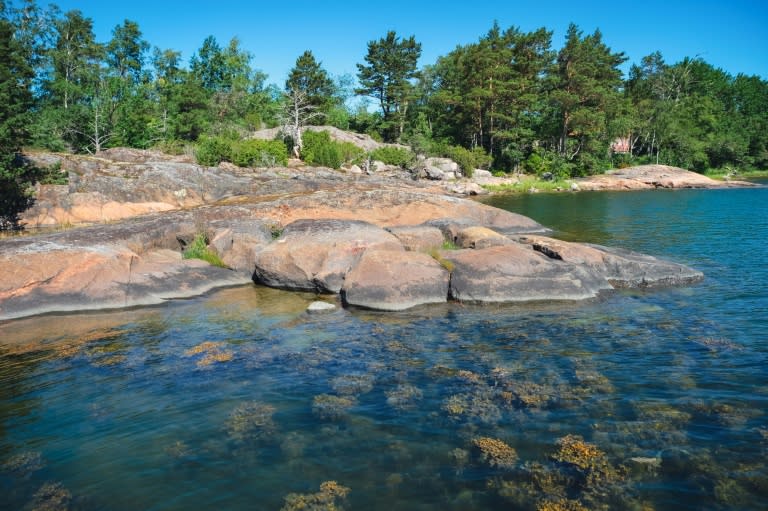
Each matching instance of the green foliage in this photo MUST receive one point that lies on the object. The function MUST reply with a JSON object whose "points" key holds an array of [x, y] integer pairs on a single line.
{"points": [[350, 153], [309, 78], [15, 101], [400, 156], [259, 153], [390, 65], [198, 249], [211, 151], [319, 149], [468, 160]]}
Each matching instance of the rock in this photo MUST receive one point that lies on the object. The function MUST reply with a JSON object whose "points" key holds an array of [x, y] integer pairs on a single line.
{"points": [[628, 269], [621, 268], [481, 174], [433, 173], [355, 169], [236, 242], [318, 306], [480, 237], [395, 280], [52, 276], [314, 255], [418, 238], [646, 177], [516, 273], [467, 188], [443, 164]]}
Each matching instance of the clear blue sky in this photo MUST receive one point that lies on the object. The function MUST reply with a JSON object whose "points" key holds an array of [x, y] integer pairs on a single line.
{"points": [[729, 34]]}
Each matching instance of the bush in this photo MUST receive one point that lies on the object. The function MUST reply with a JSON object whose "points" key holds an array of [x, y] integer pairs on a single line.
{"points": [[260, 153], [211, 151], [320, 150], [468, 160], [399, 156], [173, 147]]}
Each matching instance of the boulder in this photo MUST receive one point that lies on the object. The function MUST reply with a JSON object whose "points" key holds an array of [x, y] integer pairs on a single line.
{"points": [[516, 273], [433, 173], [443, 164], [314, 255], [480, 237], [395, 280], [418, 238], [236, 242], [467, 188]]}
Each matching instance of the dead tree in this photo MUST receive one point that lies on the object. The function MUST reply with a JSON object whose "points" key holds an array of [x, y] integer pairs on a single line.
{"points": [[296, 115]]}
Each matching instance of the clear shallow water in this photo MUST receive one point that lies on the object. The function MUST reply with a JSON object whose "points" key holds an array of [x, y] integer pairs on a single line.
{"points": [[239, 399]]}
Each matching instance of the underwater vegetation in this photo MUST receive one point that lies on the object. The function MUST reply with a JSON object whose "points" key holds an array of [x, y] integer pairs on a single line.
{"points": [[329, 498], [495, 453], [352, 384], [23, 464], [251, 422], [404, 397], [51, 496], [330, 407], [212, 352]]}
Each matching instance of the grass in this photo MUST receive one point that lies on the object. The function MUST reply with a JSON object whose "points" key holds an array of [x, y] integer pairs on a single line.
{"points": [[445, 263], [527, 183], [731, 173], [198, 249]]}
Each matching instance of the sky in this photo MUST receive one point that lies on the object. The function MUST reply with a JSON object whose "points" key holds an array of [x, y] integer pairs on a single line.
{"points": [[729, 34]]}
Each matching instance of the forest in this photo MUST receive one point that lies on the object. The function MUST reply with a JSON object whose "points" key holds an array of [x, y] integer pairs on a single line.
{"points": [[511, 102]]}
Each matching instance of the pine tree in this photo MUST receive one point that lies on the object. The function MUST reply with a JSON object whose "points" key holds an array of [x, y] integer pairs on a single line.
{"points": [[391, 65], [15, 101], [309, 80]]}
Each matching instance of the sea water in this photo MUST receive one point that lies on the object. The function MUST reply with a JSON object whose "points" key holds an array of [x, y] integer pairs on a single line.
{"points": [[645, 399]]}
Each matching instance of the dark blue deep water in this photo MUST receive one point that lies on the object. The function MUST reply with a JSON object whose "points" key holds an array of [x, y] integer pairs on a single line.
{"points": [[641, 400]]}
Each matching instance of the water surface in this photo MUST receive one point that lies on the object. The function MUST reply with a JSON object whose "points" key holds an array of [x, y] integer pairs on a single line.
{"points": [[241, 400]]}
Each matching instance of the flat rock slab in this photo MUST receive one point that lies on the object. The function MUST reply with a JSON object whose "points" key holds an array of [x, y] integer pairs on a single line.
{"points": [[647, 177], [516, 273], [393, 280], [315, 255], [621, 268], [58, 278]]}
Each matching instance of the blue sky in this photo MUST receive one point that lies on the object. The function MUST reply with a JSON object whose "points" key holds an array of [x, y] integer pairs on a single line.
{"points": [[732, 35]]}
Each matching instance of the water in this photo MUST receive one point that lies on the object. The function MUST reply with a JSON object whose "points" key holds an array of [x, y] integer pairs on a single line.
{"points": [[241, 400]]}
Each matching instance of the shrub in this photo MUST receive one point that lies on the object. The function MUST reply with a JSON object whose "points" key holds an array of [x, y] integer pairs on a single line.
{"points": [[259, 153], [350, 153], [319, 149], [211, 151], [399, 156]]}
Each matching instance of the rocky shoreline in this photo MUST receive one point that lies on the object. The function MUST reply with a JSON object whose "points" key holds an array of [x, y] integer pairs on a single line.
{"points": [[383, 241]]}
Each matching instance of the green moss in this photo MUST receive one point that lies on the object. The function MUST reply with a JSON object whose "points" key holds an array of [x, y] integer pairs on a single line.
{"points": [[198, 249]]}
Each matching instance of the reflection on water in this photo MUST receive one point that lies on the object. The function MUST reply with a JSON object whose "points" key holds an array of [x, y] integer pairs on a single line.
{"points": [[241, 400]]}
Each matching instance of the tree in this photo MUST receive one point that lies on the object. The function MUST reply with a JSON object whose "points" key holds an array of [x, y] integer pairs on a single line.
{"points": [[587, 90], [391, 65], [125, 52], [15, 101], [309, 80]]}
